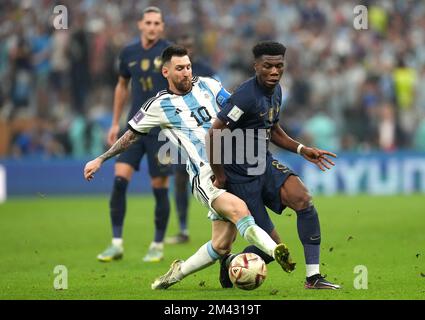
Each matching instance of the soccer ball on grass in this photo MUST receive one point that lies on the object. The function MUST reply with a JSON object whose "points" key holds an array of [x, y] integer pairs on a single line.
{"points": [[247, 271]]}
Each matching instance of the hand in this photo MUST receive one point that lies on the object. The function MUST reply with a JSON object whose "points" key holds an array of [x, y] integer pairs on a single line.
{"points": [[219, 183], [91, 168], [113, 134], [318, 157]]}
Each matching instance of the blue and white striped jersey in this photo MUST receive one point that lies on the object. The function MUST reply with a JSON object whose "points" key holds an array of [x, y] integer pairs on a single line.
{"points": [[185, 119]]}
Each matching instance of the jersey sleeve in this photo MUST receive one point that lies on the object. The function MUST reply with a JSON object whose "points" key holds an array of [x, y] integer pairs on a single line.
{"points": [[149, 116], [235, 108], [222, 96], [123, 69], [220, 93]]}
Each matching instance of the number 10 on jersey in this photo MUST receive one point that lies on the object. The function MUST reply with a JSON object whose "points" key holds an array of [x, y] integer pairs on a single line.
{"points": [[201, 115]]}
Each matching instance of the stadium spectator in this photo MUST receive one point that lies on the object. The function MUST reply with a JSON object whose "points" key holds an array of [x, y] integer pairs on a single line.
{"points": [[21, 72], [331, 62], [321, 131], [79, 48]]}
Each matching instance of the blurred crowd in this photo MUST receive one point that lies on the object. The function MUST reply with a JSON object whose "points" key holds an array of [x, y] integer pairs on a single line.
{"points": [[345, 89]]}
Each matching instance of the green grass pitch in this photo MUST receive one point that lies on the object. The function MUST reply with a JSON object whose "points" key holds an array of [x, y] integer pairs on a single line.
{"points": [[384, 234]]}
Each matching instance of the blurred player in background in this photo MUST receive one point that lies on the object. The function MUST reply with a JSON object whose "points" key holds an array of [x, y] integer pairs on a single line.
{"points": [[201, 69], [186, 111], [256, 105], [140, 65]]}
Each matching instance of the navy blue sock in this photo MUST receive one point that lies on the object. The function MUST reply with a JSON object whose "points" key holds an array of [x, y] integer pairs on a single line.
{"points": [[117, 205], [162, 212], [253, 249], [181, 180], [309, 233], [182, 202]]}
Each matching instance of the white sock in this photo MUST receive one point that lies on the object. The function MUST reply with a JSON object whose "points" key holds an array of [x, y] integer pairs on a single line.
{"points": [[204, 257], [258, 237], [117, 242], [157, 245], [311, 269]]}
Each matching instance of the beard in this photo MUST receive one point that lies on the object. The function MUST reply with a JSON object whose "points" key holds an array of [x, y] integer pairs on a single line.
{"points": [[183, 86]]}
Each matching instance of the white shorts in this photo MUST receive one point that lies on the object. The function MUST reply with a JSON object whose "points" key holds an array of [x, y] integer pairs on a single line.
{"points": [[202, 187], [214, 216]]}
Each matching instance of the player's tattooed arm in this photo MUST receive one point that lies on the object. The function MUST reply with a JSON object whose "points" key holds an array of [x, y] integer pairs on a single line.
{"points": [[128, 138], [122, 144]]}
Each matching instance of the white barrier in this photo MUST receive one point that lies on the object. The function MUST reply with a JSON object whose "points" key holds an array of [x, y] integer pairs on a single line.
{"points": [[3, 192]]}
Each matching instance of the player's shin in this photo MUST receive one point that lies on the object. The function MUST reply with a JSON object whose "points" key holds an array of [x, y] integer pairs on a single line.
{"points": [[182, 204], [204, 257], [117, 205], [309, 233], [255, 235], [162, 213]]}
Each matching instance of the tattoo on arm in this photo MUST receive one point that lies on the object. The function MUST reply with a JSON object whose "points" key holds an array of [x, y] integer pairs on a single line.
{"points": [[128, 138]]}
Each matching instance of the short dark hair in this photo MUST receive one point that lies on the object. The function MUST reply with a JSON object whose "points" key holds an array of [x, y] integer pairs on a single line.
{"points": [[171, 51], [149, 10], [268, 47]]}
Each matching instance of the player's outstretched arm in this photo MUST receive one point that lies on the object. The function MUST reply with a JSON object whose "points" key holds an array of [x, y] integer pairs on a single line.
{"points": [[128, 138], [317, 156]]}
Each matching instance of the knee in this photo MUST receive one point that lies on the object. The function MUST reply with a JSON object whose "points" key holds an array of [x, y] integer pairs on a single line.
{"points": [[301, 201], [239, 210], [159, 182], [120, 184]]}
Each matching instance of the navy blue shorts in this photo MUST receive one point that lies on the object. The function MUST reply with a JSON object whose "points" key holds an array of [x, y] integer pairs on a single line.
{"points": [[262, 192], [147, 144], [180, 168]]}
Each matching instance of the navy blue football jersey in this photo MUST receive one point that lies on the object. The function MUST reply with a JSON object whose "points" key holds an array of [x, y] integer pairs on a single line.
{"points": [[250, 108], [144, 68]]}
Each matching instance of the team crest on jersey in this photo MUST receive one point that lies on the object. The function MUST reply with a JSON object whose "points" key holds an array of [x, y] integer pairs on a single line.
{"points": [[157, 62], [145, 64]]}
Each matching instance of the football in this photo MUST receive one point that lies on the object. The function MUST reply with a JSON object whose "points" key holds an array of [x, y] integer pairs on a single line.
{"points": [[247, 271]]}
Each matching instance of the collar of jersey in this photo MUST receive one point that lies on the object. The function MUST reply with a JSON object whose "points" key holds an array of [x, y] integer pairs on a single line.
{"points": [[179, 94]]}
